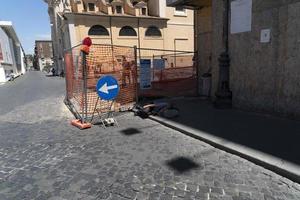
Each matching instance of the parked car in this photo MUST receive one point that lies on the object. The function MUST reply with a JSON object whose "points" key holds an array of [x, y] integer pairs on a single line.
{"points": [[10, 77]]}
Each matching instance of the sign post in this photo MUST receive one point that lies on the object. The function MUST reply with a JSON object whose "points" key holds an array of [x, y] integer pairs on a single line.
{"points": [[107, 89]]}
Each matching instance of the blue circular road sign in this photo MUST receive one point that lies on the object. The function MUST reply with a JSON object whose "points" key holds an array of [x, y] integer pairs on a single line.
{"points": [[107, 88]]}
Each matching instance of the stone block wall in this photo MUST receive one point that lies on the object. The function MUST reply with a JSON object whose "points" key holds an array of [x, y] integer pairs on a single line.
{"points": [[265, 76]]}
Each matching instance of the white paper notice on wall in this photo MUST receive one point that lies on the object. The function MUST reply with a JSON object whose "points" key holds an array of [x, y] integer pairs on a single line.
{"points": [[241, 16], [265, 36]]}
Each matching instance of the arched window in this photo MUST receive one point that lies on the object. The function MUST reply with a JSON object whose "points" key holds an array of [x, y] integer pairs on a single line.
{"points": [[127, 31], [153, 31], [98, 30]]}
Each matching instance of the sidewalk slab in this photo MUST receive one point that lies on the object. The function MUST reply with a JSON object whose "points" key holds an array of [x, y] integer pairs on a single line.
{"points": [[265, 140]]}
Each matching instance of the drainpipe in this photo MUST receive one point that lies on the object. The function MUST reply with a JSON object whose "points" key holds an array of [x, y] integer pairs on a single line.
{"points": [[226, 26], [175, 52], [196, 48], [223, 94], [111, 39], [112, 43], [139, 38]]}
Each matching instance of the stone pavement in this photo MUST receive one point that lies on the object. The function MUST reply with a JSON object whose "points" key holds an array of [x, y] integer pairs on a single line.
{"points": [[46, 158], [270, 141], [272, 135]]}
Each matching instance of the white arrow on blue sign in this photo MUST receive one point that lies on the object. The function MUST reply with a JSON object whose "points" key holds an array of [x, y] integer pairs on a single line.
{"points": [[107, 88]]}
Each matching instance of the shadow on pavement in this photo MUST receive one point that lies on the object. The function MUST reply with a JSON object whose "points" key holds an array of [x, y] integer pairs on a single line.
{"points": [[50, 75], [182, 164], [130, 131], [275, 136]]}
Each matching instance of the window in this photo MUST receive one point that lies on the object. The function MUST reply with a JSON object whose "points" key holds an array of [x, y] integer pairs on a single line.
{"points": [[180, 10], [144, 11], [119, 9], [153, 31], [127, 31], [98, 30], [91, 6]]}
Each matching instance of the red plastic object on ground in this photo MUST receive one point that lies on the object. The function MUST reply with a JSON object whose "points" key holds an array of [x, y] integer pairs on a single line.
{"points": [[80, 125]]}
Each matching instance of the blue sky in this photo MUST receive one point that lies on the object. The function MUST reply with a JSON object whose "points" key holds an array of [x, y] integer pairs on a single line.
{"points": [[30, 19]]}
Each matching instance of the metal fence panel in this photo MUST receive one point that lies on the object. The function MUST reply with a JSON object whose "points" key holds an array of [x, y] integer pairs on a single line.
{"points": [[170, 74], [102, 60], [173, 73]]}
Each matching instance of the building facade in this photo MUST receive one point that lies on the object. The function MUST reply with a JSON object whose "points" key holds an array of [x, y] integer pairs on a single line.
{"points": [[43, 54], [11, 52], [29, 61], [145, 24], [261, 38]]}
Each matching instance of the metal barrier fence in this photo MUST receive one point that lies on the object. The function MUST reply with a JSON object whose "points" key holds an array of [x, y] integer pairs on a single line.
{"points": [[139, 72], [82, 75], [173, 73]]}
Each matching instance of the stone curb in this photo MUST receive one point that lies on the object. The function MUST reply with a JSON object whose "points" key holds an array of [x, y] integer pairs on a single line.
{"points": [[277, 165]]}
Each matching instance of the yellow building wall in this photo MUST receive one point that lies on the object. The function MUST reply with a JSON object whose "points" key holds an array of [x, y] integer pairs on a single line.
{"points": [[180, 31], [114, 25], [176, 30], [84, 23], [152, 42], [117, 24], [185, 19]]}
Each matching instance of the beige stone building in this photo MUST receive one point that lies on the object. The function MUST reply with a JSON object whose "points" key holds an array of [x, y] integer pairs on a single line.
{"points": [[43, 54], [261, 38], [145, 24]]}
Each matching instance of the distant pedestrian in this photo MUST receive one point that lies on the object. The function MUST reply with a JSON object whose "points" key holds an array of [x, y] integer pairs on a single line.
{"points": [[126, 71], [62, 73], [53, 71]]}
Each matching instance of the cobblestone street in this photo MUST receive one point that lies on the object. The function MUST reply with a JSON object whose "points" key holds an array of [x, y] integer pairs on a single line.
{"points": [[43, 157]]}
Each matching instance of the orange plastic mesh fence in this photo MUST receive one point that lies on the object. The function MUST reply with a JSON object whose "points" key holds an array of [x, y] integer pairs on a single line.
{"points": [[176, 75], [111, 60], [102, 60], [74, 79]]}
